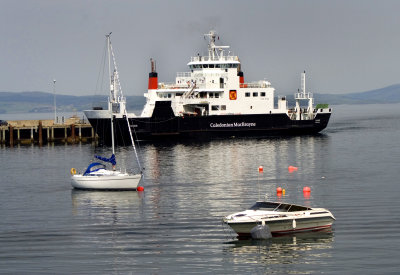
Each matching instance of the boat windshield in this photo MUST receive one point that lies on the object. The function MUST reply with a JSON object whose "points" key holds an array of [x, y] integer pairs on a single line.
{"points": [[284, 207], [263, 205], [279, 207]]}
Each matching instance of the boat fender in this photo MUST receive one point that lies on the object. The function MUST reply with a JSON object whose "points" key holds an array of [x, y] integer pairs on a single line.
{"points": [[73, 171], [261, 232], [294, 224]]}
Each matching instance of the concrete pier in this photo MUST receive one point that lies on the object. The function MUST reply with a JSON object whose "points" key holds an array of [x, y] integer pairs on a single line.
{"points": [[45, 131]]}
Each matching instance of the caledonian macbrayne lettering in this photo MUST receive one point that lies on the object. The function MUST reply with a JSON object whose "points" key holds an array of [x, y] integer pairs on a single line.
{"points": [[235, 124]]}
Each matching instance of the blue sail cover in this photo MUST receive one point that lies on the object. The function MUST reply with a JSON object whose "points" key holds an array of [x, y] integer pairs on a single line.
{"points": [[94, 164], [110, 160]]}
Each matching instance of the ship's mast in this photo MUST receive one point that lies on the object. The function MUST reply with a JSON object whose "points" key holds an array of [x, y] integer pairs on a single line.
{"points": [[212, 48], [303, 83], [211, 44], [303, 95]]}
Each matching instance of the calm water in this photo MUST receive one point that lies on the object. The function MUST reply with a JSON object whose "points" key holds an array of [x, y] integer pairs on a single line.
{"points": [[174, 226]]}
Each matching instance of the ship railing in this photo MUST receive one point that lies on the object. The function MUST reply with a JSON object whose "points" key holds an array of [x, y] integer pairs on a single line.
{"points": [[215, 58], [188, 76], [173, 86], [180, 85], [303, 95], [305, 114], [183, 74], [255, 85]]}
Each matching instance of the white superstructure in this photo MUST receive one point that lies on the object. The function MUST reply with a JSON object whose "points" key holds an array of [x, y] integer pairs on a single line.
{"points": [[215, 86]]}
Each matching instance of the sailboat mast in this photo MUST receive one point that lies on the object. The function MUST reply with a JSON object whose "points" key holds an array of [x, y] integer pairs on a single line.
{"points": [[111, 88]]}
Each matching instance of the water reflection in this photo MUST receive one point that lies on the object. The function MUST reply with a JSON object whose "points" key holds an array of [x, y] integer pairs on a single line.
{"points": [[107, 206], [290, 249]]}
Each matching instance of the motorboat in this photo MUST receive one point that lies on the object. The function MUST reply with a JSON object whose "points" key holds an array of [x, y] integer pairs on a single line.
{"points": [[281, 218]]}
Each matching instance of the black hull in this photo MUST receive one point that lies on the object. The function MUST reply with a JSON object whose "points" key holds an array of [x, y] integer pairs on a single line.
{"points": [[207, 127]]}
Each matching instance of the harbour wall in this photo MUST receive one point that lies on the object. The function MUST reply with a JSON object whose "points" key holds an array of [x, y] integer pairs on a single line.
{"points": [[26, 132]]}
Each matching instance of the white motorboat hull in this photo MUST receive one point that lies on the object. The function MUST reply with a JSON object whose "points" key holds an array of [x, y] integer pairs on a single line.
{"points": [[281, 218], [110, 182], [284, 226]]}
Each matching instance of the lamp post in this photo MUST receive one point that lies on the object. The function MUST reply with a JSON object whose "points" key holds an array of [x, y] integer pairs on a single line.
{"points": [[55, 106]]}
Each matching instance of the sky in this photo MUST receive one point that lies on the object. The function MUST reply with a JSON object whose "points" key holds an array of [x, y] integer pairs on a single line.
{"points": [[344, 46]]}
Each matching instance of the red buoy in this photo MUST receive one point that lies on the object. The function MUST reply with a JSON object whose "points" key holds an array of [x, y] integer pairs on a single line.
{"points": [[140, 188], [279, 190], [292, 168], [260, 169], [306, 189]]}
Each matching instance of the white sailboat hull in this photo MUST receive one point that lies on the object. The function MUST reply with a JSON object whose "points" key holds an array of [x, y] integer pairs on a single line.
{"points": [[106, 182]]}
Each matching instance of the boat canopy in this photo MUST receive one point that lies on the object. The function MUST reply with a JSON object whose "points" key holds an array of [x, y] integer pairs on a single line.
{"points": [[110, 160], [94, 164]]}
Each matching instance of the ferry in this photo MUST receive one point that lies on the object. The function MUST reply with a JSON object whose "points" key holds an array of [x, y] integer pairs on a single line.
{"points": [[210, 101]]}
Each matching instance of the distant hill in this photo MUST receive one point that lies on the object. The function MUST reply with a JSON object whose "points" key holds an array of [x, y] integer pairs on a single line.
{"points": [[389, 94], [36, 102], [25, 102]]}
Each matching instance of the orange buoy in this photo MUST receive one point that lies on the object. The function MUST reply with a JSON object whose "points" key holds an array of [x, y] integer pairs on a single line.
{"points": [[292, 168], [283, 191], [306, 189], [140, 188], [260, 169], [306, 194]]}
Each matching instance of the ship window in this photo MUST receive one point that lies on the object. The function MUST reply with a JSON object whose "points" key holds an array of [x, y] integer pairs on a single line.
{"points": [[205, 65], [211, 66], [262, 93], [215, 107], [255, 94], [211, 95], [216, 95], [169, 95], [217, 66], [223, 107], [247, 94]]}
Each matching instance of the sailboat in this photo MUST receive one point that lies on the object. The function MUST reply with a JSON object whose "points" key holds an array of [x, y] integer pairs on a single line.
{"points": [[97, 176]]}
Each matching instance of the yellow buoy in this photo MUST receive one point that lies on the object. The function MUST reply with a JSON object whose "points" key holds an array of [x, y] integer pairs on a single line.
{"points": [[73, 171]]}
